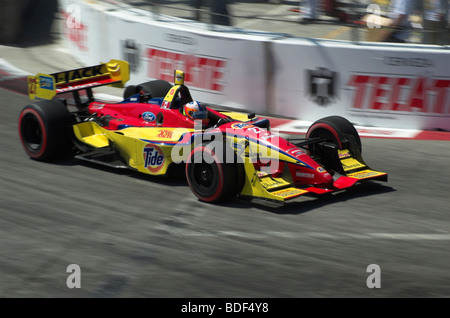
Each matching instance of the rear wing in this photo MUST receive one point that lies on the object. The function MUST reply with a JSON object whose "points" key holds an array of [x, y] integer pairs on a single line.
{"points": [[47, 86]]}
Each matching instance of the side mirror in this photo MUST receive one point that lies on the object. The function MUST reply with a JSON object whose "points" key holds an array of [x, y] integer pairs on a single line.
{"points": [[159, 119]]}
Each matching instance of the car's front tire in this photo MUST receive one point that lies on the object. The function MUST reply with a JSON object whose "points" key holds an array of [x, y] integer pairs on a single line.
{"points": [[210, 178], [337, 130]]}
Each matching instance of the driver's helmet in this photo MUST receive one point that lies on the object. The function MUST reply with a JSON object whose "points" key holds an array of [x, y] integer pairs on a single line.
{"points": [[196, 111]]}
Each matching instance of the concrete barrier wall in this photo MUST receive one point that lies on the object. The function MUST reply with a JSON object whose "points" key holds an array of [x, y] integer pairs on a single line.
{"points": [[406, 86], [372, 85]]}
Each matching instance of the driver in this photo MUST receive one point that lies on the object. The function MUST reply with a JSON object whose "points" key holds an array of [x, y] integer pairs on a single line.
{"points": [[196, 111]]}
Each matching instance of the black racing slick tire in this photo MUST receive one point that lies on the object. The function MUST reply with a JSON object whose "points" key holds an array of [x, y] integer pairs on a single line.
{"points": [[211, 179], [45, 130], [157, 88], [337, 130]]}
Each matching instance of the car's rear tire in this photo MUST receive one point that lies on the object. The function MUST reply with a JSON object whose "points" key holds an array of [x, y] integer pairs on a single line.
{"points": [[44, 130], [157, 88], [210, 178]]}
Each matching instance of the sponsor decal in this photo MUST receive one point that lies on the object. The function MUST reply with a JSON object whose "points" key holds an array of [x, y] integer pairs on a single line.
{"points": [[46, 82], [69, 88], [75, 32], [257, 130], [74, 75], [263, 133], [165, 134], [176, 38], [31, 85], [408, 61], [240, 125], [321, 170], [365, 174], [322, 85], [267, 136], [304, 175], [268, 182], [295, 152], [343, 153], [153, 158], [130, 53], [261, 174], [148, 116], [288, 193], [179, 77], [424, 95], [97, 106], [350, 164], [201, 71]]}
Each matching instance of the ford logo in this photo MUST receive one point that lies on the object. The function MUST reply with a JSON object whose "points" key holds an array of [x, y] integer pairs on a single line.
{"points": [[148, 116]]}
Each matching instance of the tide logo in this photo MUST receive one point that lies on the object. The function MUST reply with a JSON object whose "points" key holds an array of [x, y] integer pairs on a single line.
{"points": [[153, 158]]}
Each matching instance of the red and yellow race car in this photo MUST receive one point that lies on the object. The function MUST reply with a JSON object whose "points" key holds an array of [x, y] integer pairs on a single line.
{"points": [[159, 127]]}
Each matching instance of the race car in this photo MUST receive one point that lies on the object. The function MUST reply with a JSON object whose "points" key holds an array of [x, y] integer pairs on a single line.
{"points": [[158, 128]]}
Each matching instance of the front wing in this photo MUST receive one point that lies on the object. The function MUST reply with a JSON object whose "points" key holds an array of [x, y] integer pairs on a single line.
{"points": [[263, 186]]}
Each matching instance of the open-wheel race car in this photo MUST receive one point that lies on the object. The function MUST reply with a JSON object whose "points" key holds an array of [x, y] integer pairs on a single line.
{"points": [[158, 127]]}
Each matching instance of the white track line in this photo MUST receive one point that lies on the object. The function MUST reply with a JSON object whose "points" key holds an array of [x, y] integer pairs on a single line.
{"points": [[306, 235]]}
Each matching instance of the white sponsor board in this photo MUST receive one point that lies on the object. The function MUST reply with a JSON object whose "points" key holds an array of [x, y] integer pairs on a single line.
{"points": [[371, 85], [380, 85]]}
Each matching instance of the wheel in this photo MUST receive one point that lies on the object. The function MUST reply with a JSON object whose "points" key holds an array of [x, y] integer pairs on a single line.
{"points": [[157, 88], [209, 178], [44, 130], [337, 130]]}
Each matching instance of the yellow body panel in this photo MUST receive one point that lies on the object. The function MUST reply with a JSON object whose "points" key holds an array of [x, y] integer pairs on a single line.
{"points": [[351, 164], [91, 134], [42, 86], [236, 115], [143, 149], [261, 185], [160, 134]]}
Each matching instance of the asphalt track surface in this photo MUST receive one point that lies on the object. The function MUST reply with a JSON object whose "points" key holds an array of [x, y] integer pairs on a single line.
{"points": [[138, 236]]}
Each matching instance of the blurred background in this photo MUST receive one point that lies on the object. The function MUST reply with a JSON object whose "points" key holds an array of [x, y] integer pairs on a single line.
{"points": [[28, 22]]}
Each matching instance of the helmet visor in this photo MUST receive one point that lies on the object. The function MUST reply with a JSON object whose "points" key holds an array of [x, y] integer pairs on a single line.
{"points": [[201, 114]]}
